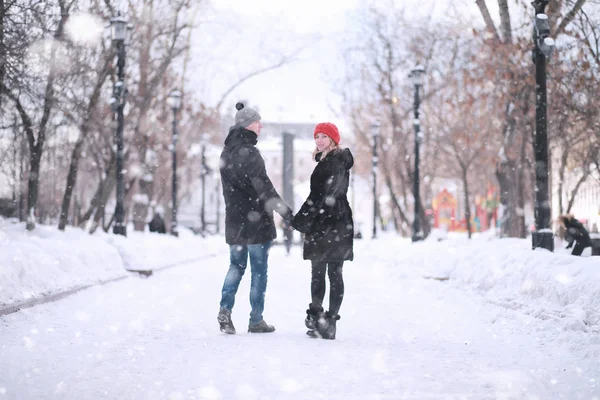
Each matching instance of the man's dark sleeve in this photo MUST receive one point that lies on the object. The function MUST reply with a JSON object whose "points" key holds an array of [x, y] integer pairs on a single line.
{"points": [[264, 187]]}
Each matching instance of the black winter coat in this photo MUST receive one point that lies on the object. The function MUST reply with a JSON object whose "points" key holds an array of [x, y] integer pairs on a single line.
{"points": [[575, 231], [326, 217], [250, 197]]}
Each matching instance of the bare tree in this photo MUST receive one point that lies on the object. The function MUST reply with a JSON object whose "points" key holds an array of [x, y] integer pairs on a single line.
{"points": [[379, 61], [36, 130], [506, 57]]}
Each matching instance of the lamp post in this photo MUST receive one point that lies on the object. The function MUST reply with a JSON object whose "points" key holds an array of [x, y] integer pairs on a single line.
{"points": [[544, 45], [119, 30], [174, 100], [375, 132], [416, 77]]}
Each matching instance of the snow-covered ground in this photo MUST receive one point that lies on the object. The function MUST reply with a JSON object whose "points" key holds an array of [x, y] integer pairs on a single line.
{"points": [[452, 319]]}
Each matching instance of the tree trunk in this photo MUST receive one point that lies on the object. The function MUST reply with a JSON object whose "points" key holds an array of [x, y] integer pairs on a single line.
{"points": [[23, 150], [512, 223], [85, 128], [467, 200], [104, 189], [489, 22], [146, 89], [561, 181], [3, 52], [505, 21], [15, 167], [36, 148], [109, 185], [388, 182], [425, 225], [71, 179], [521, 191], [32, 188]]}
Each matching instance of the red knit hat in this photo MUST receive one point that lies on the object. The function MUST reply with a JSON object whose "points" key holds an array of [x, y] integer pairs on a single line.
{"points": [[330, 130]]}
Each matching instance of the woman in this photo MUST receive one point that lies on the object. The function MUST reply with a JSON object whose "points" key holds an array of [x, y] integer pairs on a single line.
{"points": [[326, 220], [575, 232]]}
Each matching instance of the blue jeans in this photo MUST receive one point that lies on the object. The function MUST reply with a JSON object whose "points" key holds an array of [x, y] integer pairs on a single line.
{"points": [[238, 256]]}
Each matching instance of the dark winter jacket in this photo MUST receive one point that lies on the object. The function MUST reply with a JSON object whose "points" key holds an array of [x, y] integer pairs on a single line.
{"points": [[250, 197], [326, 217], [575, 231], [157, 224]]}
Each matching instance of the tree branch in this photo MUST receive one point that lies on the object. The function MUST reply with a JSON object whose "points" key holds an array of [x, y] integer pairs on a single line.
{"points": [[284, 60], [505, 21], [489, 23], [569, 17]]}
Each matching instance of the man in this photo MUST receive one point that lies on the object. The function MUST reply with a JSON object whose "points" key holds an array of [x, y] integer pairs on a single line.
{"points": [[250, 200]]}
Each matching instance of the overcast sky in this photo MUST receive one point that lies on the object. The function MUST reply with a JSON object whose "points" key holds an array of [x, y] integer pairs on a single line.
{"points": [[236, 37]]}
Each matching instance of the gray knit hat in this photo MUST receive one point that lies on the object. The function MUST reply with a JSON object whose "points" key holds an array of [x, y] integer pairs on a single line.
{"points": [[245, 115]]}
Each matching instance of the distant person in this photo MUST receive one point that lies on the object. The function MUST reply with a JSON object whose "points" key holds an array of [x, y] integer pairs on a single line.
{"points": [[250, 200], [575, 233], [288, 236], [326, 220], [157, 224]]}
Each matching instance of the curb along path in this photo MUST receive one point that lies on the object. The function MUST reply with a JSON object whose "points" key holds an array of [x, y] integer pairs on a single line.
{"points": [[12, 308]]}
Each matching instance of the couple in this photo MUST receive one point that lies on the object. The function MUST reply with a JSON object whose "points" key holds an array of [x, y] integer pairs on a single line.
{"points": [[325, 218]]}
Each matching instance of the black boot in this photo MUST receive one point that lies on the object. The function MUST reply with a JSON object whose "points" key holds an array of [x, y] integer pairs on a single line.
{"points": [[312, 315], [326, 325]]}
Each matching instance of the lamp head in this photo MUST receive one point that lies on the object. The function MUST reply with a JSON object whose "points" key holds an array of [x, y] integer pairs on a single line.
{"points": [[417, 75], [375, 128], [174, 99], [118, 28], [542, 26]]}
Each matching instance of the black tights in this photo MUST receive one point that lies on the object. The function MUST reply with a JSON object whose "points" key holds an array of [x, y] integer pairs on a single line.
{"points": [[336, 285]]}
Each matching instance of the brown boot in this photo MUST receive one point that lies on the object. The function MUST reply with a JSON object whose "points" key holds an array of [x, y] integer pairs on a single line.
{"points": [[261, 327]]}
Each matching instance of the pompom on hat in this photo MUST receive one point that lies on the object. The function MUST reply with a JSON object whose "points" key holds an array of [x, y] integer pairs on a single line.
{"points": [[328, 129], [245, 115]]}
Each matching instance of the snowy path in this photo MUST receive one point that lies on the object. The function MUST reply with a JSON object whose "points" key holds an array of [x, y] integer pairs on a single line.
{"points": [[400, 337]]}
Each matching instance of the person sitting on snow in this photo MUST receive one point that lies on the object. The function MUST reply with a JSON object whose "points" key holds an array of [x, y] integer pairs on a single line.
{"points": [[575, 232]]}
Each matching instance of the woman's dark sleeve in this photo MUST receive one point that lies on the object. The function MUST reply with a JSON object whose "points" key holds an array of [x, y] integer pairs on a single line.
{"points": [[333, 188], [304, 218]]}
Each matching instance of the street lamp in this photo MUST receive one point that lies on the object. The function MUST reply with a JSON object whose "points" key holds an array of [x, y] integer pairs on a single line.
{"points": [[543, 47], [375, 132], [203, 173], [174, 100], [416, 77], [119, 30]]}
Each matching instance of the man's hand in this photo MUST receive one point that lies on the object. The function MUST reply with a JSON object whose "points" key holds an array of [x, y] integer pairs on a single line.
{"points": [[570, 245], [287, 224]]}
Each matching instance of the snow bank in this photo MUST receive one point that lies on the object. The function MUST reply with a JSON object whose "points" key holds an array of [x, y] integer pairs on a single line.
{"points": [[47, 261], [548, 285]]}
